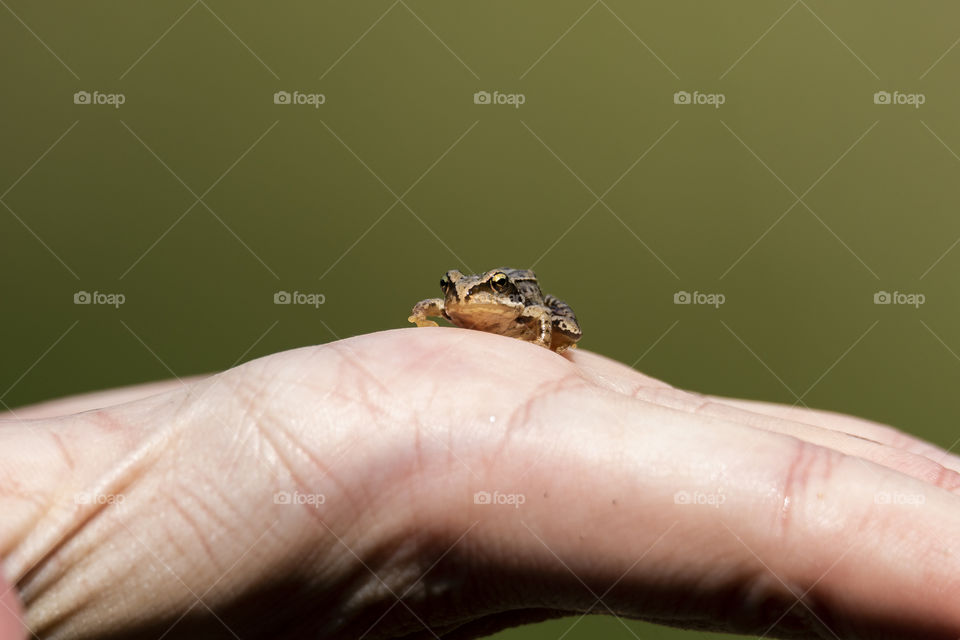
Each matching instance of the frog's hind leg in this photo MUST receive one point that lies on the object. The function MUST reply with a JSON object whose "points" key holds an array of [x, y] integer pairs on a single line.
{"points": [[432, 307], [566, 329], [540, 318]]}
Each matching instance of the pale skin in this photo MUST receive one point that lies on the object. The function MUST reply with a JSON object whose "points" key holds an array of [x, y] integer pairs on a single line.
{"points": [[397, 431]]}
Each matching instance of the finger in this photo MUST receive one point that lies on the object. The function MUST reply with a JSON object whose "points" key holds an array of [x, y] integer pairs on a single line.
{"points": [[850, 424], [869, 441], [912, 464]]}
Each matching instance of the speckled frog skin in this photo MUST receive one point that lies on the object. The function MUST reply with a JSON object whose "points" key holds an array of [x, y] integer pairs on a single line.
{"points": [[504, 301]]}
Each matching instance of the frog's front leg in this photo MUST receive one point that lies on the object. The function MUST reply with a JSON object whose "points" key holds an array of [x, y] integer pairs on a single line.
{"points": [[540, 318], [430, 307]]}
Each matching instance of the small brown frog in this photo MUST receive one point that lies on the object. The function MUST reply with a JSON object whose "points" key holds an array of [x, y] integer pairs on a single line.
{"points": [[504, 301]]}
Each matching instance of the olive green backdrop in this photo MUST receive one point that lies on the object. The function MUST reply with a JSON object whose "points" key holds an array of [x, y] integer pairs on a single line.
{"points": [[797, 199]]}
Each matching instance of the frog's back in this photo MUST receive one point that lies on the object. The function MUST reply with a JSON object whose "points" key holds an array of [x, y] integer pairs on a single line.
{"points": [[526, 283]]}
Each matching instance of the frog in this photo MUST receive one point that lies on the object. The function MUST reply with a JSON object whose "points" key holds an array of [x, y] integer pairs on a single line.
{"points": [[504, 301]]}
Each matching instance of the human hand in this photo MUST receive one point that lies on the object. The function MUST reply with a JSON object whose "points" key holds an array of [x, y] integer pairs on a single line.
{"points": [[619, 494]]}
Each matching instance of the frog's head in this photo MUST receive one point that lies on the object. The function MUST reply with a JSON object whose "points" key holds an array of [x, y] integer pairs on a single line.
{"points": [[483, 298]]}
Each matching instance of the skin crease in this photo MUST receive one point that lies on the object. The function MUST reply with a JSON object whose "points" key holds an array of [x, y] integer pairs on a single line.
{"points": [[125, 521]]}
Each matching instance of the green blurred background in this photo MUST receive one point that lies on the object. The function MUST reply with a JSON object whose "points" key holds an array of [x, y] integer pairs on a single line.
{"points": [[797, 199]]}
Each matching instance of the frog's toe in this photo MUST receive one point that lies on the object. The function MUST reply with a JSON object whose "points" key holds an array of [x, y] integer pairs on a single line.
{"points": [[422, 322]]}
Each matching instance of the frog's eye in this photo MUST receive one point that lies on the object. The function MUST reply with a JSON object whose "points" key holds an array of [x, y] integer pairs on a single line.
{"points": [[499, 282]]}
